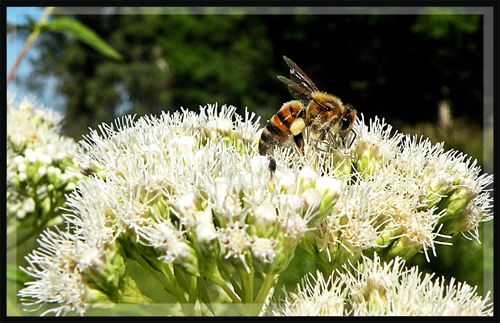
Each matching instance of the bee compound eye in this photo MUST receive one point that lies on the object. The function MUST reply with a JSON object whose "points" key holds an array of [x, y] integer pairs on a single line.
{"points": [[345, 123]]}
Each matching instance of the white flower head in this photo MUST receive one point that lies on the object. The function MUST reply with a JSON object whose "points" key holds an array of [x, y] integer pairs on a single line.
{"points": [[372, 287], [235, 242], [391, 289], [379, 134], [58, 280], [314, 296], [263, 249]]}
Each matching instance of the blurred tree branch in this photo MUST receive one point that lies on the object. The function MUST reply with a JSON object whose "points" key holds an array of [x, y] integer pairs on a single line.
{"points": [[66, 26], [29, 41]]}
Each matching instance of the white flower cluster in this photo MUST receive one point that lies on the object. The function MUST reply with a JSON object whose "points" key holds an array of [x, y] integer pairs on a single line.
{"points": [[187, 197], [400, 193], [39, 164], [192, 189], [163, 176], [374, 288]]}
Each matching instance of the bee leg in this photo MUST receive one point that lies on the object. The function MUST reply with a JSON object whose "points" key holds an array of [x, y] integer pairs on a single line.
{"points": [[272, 164], [299, 141], [353, 138]]}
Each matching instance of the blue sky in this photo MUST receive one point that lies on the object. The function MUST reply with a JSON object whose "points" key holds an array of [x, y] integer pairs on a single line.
{"points": [[17, 15]]}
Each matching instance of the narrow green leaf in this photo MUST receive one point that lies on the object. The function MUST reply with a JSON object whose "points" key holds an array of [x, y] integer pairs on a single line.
{"points": [[83, 33], [16, 275]]}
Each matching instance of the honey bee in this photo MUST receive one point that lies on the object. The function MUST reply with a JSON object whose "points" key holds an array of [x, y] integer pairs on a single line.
{"points": [[319, 111]]}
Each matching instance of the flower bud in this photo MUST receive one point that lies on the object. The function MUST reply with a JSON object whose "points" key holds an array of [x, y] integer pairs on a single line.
{"points": [[294, 227], [105, 267], [367, 158], [190, 261], [342, 162], [64, 177], [235, 243], [21, 214], [45, 159], [19, 160], [221, 191], [22, 177], [31, 156], [259, 164], [42, 171], [386, 237], [29, 205], [97, 298], [173, 246], [439, 185], [290, 204], [286, 181], [70, 186], [330, 188], [265, 218], [53, 173], [60, 155], [224, 126], [405, 248], [465, 221], [456, 202], [21, 167], [263, 253], [307, 177], [186, 207], [460, 172], [206, 235], [312, 199]]}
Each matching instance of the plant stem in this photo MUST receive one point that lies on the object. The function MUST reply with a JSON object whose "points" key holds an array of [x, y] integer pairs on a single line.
{"points": [[202, 292], [230, 277], [167, 273], [163, 275], [215, 278], [187, 307], [264, 290], [193, 290], [29, 41], [247, 280]]}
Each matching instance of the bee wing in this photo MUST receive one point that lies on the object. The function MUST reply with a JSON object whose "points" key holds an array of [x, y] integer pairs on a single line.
{"points": [[298, 76], [297, 91]]}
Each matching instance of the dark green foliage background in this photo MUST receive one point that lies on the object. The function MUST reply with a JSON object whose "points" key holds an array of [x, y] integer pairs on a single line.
{"points": [[395, 66]]}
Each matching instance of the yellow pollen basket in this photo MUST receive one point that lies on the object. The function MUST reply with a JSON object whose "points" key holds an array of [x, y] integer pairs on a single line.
{"points": [[297, 126]]}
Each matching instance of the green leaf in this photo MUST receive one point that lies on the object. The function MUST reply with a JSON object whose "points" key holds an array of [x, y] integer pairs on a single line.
{"points": [[16, 275], [83, 33]]}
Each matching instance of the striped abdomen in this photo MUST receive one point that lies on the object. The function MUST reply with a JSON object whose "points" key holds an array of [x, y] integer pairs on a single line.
{"points": [[277, 130]]}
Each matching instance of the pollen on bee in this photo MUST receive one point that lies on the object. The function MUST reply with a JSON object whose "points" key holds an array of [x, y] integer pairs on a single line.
{"points": [[297, 126]]}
